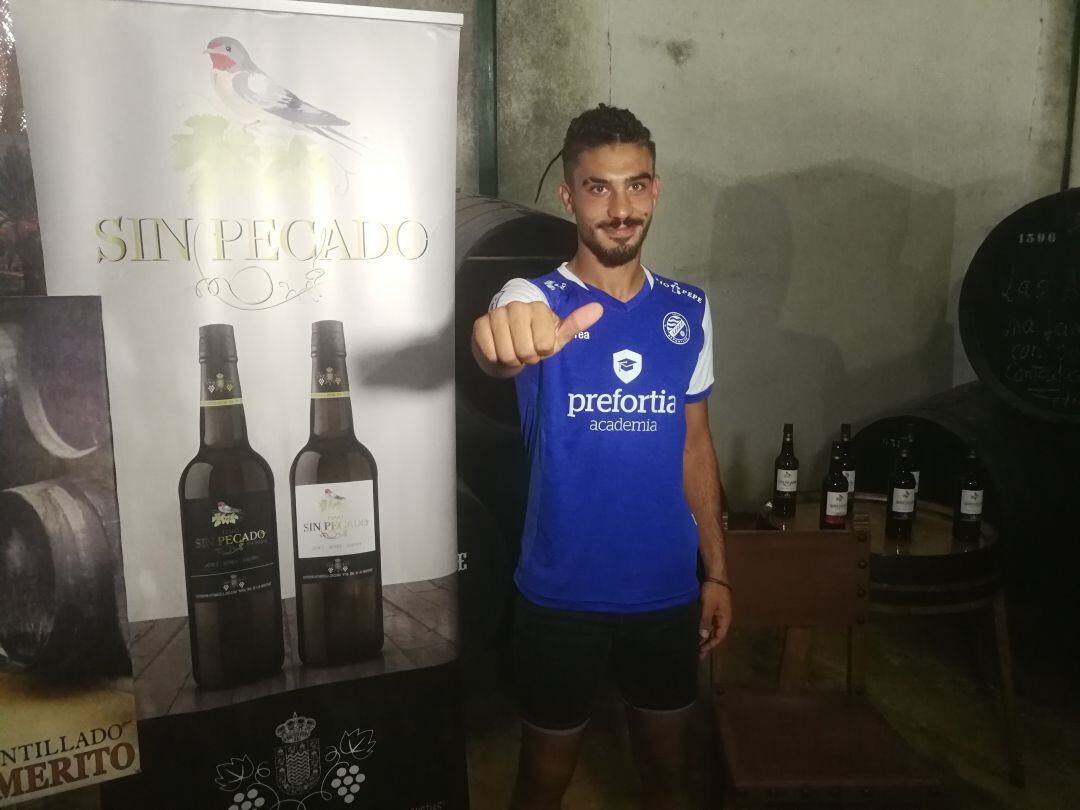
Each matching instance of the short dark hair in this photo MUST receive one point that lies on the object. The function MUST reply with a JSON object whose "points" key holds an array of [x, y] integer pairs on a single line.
{"points": [[602, 126]]}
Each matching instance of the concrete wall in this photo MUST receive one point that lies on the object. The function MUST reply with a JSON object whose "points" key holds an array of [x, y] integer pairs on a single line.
{"points": [[829, 169]]}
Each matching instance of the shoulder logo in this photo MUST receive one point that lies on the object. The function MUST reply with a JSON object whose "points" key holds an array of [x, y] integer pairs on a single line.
{"points": [[627, 365], [676, 329], [555, 285]]}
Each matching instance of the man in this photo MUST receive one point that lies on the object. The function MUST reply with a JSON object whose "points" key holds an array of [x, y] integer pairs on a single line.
{"points": [[613, 365]]}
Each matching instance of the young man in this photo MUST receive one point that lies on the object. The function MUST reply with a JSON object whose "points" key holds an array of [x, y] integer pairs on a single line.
{"points": [[613, 365]]}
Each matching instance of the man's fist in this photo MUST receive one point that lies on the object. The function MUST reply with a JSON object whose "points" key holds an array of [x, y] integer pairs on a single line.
{"points": [[519, 334]]}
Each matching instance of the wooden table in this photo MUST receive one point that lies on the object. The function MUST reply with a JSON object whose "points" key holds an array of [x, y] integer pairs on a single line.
{"points": [[420, 630], [930, 574]]}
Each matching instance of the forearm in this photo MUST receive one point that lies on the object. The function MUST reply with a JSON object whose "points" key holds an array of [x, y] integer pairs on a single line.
{"points": [[701, 484]]}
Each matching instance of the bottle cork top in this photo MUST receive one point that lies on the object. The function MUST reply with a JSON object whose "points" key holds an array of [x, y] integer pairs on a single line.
{"points": [[216, 340], [327, 338]]}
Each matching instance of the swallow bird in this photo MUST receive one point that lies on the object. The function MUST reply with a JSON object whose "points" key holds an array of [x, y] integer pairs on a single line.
{"points": [[331, 494], [225, 509], [253, 96]]}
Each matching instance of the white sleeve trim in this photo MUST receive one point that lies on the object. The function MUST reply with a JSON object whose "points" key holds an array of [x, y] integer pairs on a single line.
{"points": [[703, 371], [517, 289]]}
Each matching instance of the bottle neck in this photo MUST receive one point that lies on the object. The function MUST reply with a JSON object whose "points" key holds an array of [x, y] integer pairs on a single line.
{"points": [[221, 412], [787, 448], [331, 406]]}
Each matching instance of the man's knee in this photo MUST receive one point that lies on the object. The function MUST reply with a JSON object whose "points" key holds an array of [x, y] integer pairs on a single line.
{"points": [[545, 767]]}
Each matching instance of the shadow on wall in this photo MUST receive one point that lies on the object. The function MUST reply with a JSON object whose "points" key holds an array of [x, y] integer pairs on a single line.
{"points": [[829, 289]]}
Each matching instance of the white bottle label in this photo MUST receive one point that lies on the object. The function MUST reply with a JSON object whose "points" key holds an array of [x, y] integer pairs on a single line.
{"points": [[850, 476], [335, 519], [787, 480], [903, 500], [971, 501], [916, 474], [836, 504]]}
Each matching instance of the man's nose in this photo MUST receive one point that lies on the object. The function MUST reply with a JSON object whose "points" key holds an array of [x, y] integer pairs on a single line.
{"points": [[619, 204]]}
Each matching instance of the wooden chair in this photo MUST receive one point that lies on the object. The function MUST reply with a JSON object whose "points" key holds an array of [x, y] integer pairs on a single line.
{"points": [[793, 746]]}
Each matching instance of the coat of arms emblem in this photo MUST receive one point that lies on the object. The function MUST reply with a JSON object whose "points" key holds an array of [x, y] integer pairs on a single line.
{"points": [[297, 762]]}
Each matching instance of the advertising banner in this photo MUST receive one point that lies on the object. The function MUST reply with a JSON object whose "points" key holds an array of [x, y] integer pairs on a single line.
{"points": [[67, 710], [261, 192]]}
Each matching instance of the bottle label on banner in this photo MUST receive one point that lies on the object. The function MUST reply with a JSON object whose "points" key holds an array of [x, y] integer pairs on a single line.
{"points": [[787, 480], [836, 504], [903, 500], [230, 545], [971, 502], [850, 476], [334, 524]]}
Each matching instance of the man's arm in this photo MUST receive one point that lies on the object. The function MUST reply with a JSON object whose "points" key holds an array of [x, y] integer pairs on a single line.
{"points": [[701, 484]]}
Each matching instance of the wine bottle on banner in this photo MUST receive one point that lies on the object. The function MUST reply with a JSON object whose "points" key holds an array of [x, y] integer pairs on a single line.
{"points": [[786, 476], [913, 451], [834, 492], [900, 514], [334, 483], [229, 530], [847, 464], [967, 515]]}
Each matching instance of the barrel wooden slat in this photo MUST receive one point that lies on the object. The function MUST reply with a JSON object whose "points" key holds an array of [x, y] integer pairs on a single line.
{"points": [[58, 580]]}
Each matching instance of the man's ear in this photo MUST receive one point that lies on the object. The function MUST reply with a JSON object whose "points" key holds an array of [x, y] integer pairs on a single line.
{"points": [[566, 197]]}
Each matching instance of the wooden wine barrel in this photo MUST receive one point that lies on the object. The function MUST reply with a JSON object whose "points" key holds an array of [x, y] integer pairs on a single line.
{"points": [[496, 241], [62, 610], [52, 384], [1028, 463], [928, 573], [1019, 309]]}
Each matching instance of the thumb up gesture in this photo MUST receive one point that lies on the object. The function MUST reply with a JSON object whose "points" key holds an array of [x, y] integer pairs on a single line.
{"points": [[523, 333]]}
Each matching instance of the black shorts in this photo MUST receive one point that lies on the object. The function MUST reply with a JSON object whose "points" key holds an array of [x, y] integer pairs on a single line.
{"points": [[560, 657]]}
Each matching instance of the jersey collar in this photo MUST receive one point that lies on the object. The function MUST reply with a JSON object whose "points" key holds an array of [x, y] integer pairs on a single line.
{"points": [[609, 300]]}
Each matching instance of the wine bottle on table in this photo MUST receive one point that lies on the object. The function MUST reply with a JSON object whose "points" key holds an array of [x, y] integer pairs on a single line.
{"points": [[847, 464], [229, 530], [786, 476], [834, 492], [900, 514], [334, 483], [967, 515]]}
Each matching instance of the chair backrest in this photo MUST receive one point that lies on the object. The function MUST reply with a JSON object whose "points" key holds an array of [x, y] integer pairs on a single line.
{"points": [[799, 578]]}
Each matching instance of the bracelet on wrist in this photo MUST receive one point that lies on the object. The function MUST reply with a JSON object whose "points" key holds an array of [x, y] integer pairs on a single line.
{"points": [[716, 581]]}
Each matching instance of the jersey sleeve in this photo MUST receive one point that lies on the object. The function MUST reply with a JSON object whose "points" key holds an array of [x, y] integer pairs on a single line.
{"points": [[701, 382], [517, 289]]}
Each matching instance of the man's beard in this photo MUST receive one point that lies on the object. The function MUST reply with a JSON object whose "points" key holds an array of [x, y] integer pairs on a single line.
{"points": [[620, 254]]}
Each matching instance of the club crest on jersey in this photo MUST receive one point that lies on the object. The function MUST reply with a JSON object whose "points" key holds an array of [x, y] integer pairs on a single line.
{"points": [[676, 328], [627, 365]]}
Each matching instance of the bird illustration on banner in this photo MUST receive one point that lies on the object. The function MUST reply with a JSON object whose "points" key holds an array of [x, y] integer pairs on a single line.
{"points": [[253, 97]]}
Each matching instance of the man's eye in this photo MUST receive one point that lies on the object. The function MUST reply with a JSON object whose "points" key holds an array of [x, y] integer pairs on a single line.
{"points": [[599, 189], [637, 187]]}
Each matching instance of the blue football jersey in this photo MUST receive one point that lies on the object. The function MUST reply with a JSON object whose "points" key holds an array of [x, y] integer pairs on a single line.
{"points": [[608, 527]]}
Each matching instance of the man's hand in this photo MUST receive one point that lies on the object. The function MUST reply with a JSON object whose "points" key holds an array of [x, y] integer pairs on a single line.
{"points": [[522, 334], [715, 616]]}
